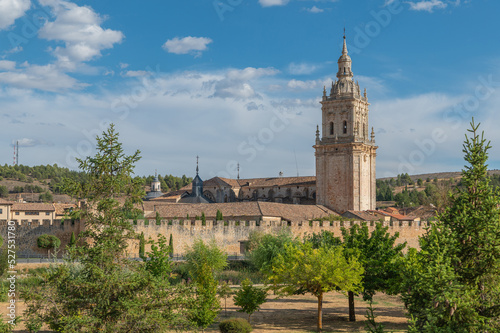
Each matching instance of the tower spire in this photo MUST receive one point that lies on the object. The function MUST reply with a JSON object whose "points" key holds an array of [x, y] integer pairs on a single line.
{"points": [[197, 169], [344, 48]]}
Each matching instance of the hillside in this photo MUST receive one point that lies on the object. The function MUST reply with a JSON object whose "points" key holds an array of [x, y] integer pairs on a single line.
{"points": [[44, 183]]}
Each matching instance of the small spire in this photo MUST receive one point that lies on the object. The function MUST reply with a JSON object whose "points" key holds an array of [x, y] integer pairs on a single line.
{"points": [[238, 170], [324, 90], [373, 135], [364, 93], [197, 169], [317, 134], [344, 48], [156, 173]]}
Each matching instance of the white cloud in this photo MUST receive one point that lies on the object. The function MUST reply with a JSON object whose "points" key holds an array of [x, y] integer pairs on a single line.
{"points": [[428, 6], [187, 45], [136, 73], [10, 10], [269, 3], [302, 85], [7, 65], [236, 82], [302, 68], [29, 142], [79, 27], [27, 76], [315, 10]]}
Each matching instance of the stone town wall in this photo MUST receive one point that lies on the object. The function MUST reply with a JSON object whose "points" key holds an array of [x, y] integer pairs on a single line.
{"points": [[227, 234], [26, 234]]}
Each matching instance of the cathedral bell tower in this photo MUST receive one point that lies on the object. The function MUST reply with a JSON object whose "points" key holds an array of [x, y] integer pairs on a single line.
{"points": [[345, 151]]}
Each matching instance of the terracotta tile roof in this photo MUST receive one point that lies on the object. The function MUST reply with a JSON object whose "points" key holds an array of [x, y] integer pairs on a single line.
{"points": [[392, 210], [5, 202], [252, 209], [30, 207], [362, 215], [61, 208]]}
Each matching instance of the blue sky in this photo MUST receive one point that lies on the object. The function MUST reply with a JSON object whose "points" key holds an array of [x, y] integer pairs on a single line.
{"points": [[239, 81]]}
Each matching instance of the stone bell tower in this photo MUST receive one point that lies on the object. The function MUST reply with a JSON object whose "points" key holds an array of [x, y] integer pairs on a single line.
{"points": [[345, 151]]}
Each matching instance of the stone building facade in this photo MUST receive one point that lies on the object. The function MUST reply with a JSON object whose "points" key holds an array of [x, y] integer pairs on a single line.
{"points": [[345, 151]]}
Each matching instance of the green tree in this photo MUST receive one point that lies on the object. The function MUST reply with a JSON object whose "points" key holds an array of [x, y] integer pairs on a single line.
{"points": [[453, 282], [158, 218], [48, 242], [264, 248], [302, 269], [204, 262], [100, 289], [4, 192], [171, 245], [72, 240], [157, 261], [420, 182], [380, 256], [249, 298], [224, 291], [46, 197], [218, 216], [142, 246]]}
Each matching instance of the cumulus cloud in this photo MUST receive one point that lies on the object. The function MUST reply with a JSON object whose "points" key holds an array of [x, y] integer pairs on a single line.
{"points": [[315, 10], [187, 45], [79, 27], [29, 142], [236, 83], [11, 10], [269, 3], [428, 6], [302, 85], [302, 68], [27, 76]]}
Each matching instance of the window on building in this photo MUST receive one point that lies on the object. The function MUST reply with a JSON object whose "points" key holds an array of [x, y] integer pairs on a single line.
{"points": [[331, 128], [17, 213], [32, 213], [47, 213], [1, 211], [345, 127]]}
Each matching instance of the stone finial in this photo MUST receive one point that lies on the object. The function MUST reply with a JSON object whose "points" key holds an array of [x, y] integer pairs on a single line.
{"points": [[364, 95], [373, 135], [317, 134], [344, 48]]}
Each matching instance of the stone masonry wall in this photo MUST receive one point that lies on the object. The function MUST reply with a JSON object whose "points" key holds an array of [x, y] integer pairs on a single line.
{"points": [[228, 235]]}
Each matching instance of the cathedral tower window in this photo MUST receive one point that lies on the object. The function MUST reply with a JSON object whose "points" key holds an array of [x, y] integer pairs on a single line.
{"points": [[345, 127], [331, 128]]}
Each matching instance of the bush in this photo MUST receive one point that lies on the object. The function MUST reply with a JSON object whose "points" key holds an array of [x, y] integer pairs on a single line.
{"points": [[235, 325]]}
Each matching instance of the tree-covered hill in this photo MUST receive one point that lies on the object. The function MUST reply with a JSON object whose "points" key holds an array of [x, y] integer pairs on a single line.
{"points": [[42, 182]]}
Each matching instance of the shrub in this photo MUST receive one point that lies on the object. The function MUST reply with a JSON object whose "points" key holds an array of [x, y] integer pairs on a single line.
{"points": [[235, 325]]}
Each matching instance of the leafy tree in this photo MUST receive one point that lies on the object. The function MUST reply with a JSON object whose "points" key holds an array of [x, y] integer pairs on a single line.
{"points": [[204, 262], [420, 182], [4, 192], [102, 290], [218, 216], [380, 256], [46, 197], [157, 261], [453, 283], [249, 298], [142, 246], [158, 218], [302, 269], [203, 218], [48, 242], [171, 245], [72, 240], [224, 291], [264, 248]]}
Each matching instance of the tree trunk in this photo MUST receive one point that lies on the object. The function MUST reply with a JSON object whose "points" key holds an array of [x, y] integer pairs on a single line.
{"points": [[352, 312], [320, 312]]}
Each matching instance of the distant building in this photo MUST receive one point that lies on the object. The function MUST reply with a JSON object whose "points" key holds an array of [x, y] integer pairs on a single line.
{"points": [[155, 189], [196, 195]]}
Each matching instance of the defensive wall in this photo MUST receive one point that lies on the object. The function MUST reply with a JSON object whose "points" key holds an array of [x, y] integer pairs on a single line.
{"points": [[229, 235]]}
